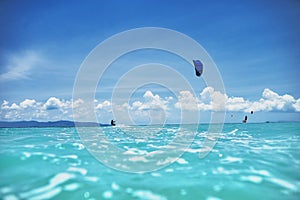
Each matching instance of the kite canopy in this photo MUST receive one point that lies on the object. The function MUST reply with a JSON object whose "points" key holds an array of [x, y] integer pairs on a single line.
{"points": [[198, 67]]}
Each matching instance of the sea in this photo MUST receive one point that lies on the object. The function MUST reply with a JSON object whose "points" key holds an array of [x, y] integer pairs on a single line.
{"points": [[248, 161]]}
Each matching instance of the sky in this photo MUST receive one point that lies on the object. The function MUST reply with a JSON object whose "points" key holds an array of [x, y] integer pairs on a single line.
{"points": [[254, 44]]}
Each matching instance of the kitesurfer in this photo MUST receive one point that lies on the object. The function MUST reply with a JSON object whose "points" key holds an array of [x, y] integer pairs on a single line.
{"points": [[112, 122], [245, 120]]}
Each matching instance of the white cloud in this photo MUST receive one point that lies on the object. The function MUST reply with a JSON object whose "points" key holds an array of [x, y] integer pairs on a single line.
{"points": [[211, 100], [53, 103], [218, 100], [30, 109], [150, 108], [237, 104], [297, 105], [5, 105], [14, 107], [78, 102], [20, 66], [186, 101], [104, 105], [206, 94], [27, 103], [153, 102], [271, 101], [137, 105]]}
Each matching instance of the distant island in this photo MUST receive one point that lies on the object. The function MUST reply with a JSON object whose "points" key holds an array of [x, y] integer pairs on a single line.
{"points": [[61, 123]]}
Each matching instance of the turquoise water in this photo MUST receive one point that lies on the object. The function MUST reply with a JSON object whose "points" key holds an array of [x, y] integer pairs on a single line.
{"points": [[250, 161]]}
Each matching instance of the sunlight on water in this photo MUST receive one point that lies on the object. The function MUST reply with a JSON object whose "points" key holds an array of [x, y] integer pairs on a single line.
{"points": [[250, 161]]}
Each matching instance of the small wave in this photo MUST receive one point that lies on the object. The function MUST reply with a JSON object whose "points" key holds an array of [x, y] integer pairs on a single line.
{"points": [[138, 159], [82, 171], [50, 190], [26, 154], [5, 190], [135, 151], [115, 186], [78, 145], [169, 170], [30, 146], [253, 179], [91, 178], [10, 197], [70, 156], [181, 161], [283, 183], [47, 195], [260, 172], [231, 160], [213, 198], [147, 195], [168, 160], [221, 170], [107, 194], [71, 187], [183, 192], [233, 132], [245, 142], [44, 155], [155, 174]]}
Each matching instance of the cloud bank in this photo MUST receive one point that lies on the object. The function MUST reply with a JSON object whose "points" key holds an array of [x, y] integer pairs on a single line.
{"points": [[150, 108]]}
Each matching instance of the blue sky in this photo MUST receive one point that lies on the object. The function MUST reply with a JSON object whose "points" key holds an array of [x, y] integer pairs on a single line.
{"points": [[255, 45]]}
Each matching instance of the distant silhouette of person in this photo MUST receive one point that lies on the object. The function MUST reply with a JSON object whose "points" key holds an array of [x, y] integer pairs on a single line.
{"points": [[245, 120], [112, 122]]}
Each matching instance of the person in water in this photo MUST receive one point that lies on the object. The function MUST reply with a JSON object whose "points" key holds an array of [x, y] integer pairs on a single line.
{"points": [[112, 122], [245, 120]]}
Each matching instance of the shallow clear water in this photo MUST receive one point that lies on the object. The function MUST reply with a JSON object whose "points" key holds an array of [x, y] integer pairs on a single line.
{"points": [[250, 161]]}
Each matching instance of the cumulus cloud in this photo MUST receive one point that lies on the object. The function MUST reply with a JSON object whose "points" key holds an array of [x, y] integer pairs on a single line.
{"points": [[5, 105], [211, 100], [237, 104], [153, 109], [271, 101], [297, 105], [53, 103], [150, 108], [217, 102], [27, 103], [153, 102], [77, 103], [29, 109], [186, 101], [19, 66], [104, 105]]}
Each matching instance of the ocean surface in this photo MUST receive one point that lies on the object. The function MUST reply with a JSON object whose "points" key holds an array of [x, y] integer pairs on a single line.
{"points": [[249, 161]]}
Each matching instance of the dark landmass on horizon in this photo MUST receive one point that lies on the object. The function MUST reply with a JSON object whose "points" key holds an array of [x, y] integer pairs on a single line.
{"points": [[61, 123]]}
